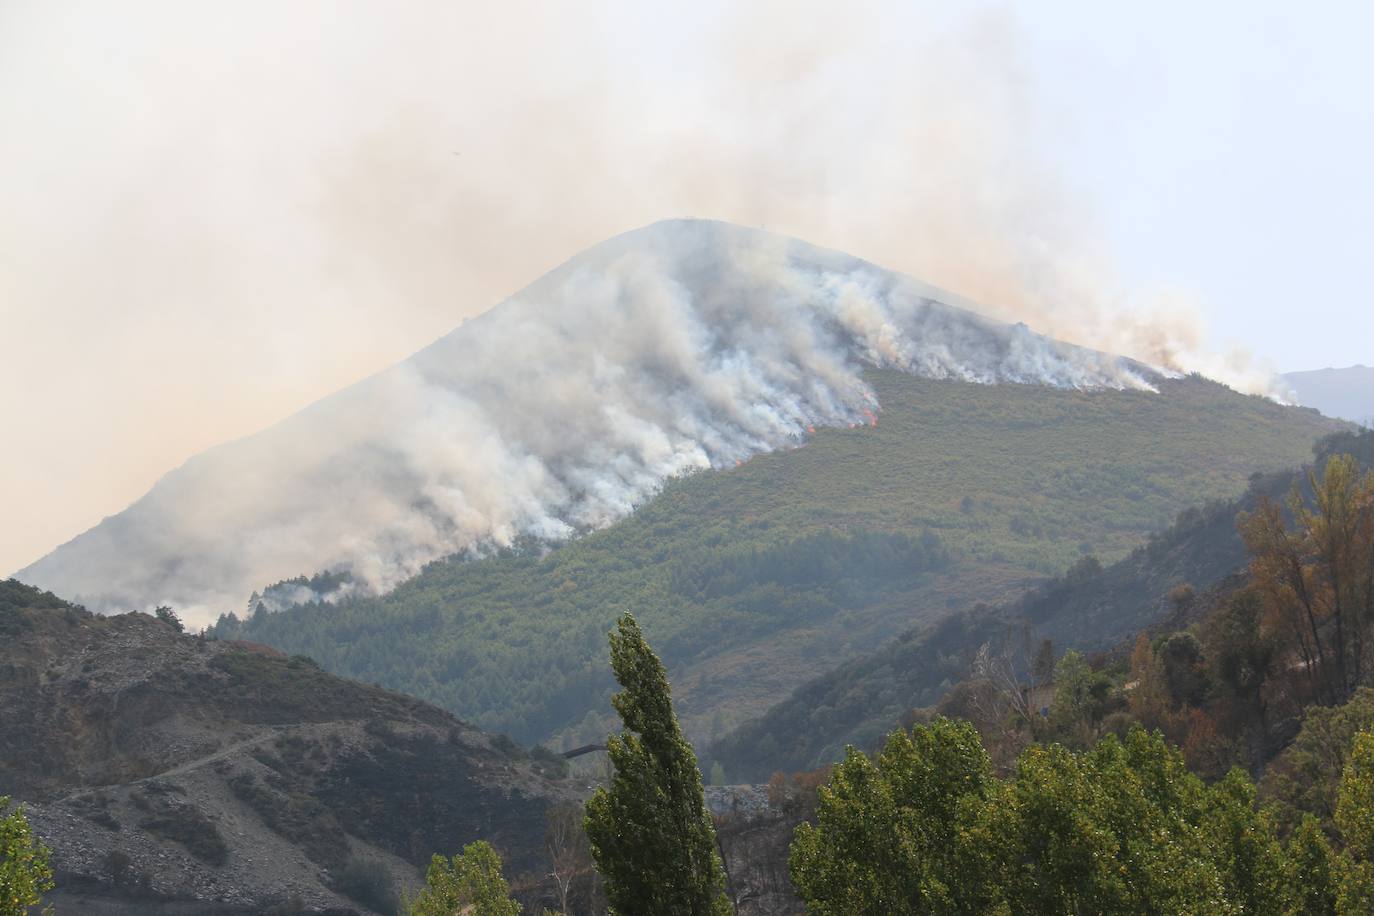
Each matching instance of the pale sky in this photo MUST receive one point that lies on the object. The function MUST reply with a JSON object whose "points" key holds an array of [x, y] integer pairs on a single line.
{"points": [[212, 214]]}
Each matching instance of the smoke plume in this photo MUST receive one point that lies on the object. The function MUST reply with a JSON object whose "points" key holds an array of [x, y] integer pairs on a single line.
{"points": [[682, 346], [216, 214]]}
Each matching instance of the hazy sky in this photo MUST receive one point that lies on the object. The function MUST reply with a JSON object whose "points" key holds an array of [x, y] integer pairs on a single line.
{"points": [[212, 214]]}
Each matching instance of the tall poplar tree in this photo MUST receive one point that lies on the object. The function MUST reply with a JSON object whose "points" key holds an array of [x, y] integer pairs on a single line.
{"points": [[651, 836]]}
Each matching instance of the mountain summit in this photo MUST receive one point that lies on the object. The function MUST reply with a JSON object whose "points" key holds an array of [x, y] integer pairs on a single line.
{"points": [[680, 346]]}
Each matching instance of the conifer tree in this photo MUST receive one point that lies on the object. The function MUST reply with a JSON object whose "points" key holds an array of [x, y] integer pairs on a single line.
{"points": [[651, 836]]}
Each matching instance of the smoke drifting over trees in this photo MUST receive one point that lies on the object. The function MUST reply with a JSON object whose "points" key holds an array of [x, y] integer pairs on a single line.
{"points": [[241, 209], [683, 346]]}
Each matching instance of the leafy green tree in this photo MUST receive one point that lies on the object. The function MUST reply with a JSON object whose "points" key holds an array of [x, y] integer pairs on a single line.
{"points": [[911, 832], [168, 616], [1355, 802], [1122, 828], [471, 879], [1308, 859], [24, 871], [717, 773], [1243, 841], [651, 836], [1355, 887], [1355, 818], [1301, 779], [1069, 854], [1170, 804], [1113, 830], [1079, 695]]}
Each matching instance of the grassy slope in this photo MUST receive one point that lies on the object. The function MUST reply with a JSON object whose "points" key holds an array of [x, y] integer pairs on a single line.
{"points": [[1017, 482]]}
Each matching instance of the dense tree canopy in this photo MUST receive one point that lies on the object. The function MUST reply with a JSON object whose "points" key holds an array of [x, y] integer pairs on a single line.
{"points": [[1123, 827]]}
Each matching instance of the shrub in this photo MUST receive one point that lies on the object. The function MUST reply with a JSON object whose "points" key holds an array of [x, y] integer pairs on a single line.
{"points": [[506, 745], [369, 883], [548, 762], [24, 871], [185, 825], [169, 617]]}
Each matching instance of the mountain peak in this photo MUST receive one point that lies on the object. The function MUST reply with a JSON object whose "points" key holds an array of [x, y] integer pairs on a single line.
{"points": [[678, 346]]}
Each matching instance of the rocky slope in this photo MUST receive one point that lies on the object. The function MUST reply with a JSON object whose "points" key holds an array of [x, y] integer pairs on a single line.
{"points": [[171, 773], [755, 836]]}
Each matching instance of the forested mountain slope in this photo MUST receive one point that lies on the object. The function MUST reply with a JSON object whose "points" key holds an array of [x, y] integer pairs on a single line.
{"points": [[680, 346], [171, 773], [1087, 608], [753, 580]]}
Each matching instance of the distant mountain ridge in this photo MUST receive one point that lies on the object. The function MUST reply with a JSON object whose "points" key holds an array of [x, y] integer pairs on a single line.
{"points": [[681, 346], [1346, 393]]}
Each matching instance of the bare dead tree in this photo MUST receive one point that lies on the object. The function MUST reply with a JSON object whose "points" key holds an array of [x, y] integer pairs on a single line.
{"points": [[1005, 676], [1003, 699], [566, 841]]}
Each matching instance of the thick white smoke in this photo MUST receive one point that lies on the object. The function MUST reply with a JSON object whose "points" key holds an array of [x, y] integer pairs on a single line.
{"points": [[228, 195], [683, 346]]}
